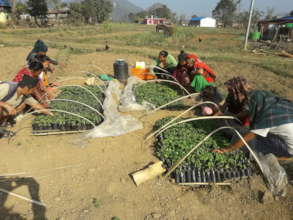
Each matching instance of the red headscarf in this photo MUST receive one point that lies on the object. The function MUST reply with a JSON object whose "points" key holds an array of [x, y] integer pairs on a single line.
{"points": [[208, 73]]}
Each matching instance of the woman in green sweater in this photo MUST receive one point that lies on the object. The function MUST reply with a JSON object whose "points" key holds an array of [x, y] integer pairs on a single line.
{"points": [[166, 62]]}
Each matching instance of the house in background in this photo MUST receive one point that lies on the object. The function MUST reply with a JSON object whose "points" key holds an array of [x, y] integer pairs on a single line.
{"points": [[154, 21], [277, 29], [203, 22], [5, 5], [5, 8], [58, 14]]}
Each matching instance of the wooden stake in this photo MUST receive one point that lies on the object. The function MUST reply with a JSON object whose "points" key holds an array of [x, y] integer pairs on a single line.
{"points": [[148, 173]]}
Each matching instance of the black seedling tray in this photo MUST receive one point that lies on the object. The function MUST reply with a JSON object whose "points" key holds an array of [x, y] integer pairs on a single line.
{"points": [[193, 175], [37, 129]]}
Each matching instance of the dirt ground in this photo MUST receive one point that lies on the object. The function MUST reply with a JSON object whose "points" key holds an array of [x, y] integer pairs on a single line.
{"points": [[92, 182]]}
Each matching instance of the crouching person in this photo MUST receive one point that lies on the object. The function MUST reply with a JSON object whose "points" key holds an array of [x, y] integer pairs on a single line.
{"points": [[165, 63], [34, 70], [15, 96], [270, 120]]}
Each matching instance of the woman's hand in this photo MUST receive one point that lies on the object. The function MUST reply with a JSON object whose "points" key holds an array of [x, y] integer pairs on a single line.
{"points": [[221, 150], [54, 84], [10, 110]]}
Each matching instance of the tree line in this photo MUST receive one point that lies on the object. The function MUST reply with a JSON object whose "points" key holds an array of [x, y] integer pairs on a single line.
{"points": [[228, 13], [157, 10], [85, 11]]}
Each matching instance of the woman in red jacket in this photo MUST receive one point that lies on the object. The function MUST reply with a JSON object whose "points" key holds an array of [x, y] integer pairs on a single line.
{"points": [[34, 69], [198, 66]]}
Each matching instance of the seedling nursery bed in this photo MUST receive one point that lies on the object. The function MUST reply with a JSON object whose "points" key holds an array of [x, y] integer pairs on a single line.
{"points": [[157, 94], [63, 123], [203, 165]]}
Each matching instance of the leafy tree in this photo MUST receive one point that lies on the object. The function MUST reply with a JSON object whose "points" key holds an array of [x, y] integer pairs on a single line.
{"points": [[291, 13], [103, 10], [162, 12], [225, 12], [20, 9], [38, 9], [91, 11], [75, 13], [138, 17], [158, 10], [256, 17]]}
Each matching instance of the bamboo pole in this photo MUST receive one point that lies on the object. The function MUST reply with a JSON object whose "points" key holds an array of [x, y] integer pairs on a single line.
{"points": [[178, 116], [175, 100], [196, 119], [58, 133], [168, 81], [23, 197], [81, 103]]}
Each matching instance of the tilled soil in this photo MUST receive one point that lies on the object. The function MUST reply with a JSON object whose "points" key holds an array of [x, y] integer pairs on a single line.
{"points": [[90, 180]]}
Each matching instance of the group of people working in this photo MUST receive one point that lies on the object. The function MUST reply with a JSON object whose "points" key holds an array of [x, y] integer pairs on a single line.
{"points": [[266, 120], [189, 70], [29, 89]]}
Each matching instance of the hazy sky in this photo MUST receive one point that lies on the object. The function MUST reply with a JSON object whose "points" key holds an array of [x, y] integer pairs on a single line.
{"points": [[205, 7]]}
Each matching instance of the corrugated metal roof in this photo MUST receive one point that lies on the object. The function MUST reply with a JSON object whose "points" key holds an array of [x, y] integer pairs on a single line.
{"points": [[5, 3], [197, 18], [283, 20], [287, 18]]}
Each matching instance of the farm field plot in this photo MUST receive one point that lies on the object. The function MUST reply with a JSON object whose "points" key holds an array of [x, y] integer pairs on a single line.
{"points": [[89, 179]]}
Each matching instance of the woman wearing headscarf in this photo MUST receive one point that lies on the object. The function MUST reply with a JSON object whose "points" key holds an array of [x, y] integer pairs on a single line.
{"points": [[199, 81], [270, 119], [200, 67], [40, 49], [34, 69], [181, 71]]}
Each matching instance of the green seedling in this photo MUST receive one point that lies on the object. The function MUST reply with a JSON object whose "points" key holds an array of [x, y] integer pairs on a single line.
{"points": [[97, 203], [77, 94], [155, 93], [177, 141]]}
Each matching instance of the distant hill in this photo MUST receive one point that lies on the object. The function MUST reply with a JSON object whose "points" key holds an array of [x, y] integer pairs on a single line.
{"points": [[121, 9]]}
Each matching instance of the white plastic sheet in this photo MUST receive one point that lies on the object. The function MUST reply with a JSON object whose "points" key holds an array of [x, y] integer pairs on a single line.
{"points": [[115, 123], [275, 174], [128, 102]]}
